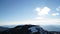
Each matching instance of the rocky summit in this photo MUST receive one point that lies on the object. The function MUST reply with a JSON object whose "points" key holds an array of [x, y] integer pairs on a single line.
{"points": [[28, 29]]}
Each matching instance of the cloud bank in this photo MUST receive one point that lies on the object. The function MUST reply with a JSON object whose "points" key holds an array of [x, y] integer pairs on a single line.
{"points": [[35, 22]]}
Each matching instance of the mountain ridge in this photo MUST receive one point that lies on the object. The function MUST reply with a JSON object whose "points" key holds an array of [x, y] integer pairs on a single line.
{"points": [[28, 29]]}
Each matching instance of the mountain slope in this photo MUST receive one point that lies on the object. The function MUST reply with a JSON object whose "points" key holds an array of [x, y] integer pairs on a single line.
{"points": [[3, 28]]}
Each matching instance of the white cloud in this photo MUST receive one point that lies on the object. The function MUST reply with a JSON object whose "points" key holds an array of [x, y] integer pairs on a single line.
{"points": [[38, 9], [58, 9], [43, 11], [55, 14]]}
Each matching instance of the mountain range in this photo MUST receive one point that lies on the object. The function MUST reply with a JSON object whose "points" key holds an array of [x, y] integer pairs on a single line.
{"points": [[30, 29], [51, 27]]}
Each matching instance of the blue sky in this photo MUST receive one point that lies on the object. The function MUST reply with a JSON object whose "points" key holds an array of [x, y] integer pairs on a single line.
{"points": [[29, 11]]}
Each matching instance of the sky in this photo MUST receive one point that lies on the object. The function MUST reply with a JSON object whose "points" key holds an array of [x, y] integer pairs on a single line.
{"points": [[40, 12]]}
